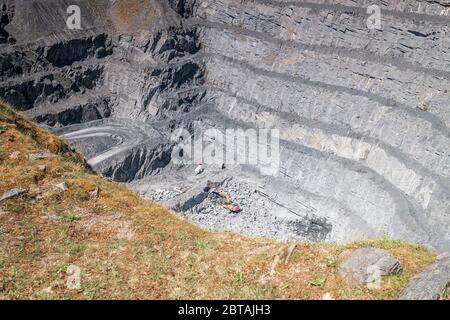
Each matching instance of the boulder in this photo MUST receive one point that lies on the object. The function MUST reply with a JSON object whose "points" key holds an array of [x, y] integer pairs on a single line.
{"points": [[367, 265], [431, 283], [13, 193]]}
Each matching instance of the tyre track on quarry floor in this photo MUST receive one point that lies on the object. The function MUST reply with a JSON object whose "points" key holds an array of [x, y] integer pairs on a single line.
{"points": [[127, 137]]}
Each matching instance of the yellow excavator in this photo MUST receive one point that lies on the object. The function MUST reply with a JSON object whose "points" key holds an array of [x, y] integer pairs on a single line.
{"points": [[229, 204]]}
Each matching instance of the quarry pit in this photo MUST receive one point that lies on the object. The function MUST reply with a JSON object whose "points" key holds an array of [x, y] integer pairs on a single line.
{"points": [[360, 116]]}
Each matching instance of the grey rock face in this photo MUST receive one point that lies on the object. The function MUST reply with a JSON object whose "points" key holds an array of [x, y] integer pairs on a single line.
{"points": [[362, 113], [366, 265], [431, 283]]}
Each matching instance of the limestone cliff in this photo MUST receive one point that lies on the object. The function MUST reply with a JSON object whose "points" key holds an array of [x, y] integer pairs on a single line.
{"points": [[362, 112]]}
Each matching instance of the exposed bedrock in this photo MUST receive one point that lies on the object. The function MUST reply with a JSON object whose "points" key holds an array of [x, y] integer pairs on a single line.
{"points": [[362, 113]]}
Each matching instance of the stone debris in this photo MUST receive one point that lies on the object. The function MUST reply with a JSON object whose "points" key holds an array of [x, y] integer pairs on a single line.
{"points": [[53, 218], [178, 190], [95, 194], [15, 155], [327, 296], [62, 186], [431, 283], [41, 156], [367, 265], [199, 169], [13, 193], [276, 261], [73, 277], [200, 204], [290, 251], [161, 195], [42, 168]]}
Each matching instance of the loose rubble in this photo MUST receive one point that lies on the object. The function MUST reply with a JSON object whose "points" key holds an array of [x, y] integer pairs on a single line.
{"points": [[95, 194]]}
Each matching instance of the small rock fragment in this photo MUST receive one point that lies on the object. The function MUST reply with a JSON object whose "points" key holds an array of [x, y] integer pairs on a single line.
{"points": [[41, 156], [15, 155], [52, 218], [199, 169], [275, 263], [95, 194], [290, 251], [42, 168], [62, 186], [178, 190], [367, 265], [13, 193], [74, 278], [327, 296]]}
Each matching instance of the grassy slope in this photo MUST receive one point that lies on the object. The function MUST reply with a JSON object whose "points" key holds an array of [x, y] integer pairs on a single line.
{"points": [[127, 247]]}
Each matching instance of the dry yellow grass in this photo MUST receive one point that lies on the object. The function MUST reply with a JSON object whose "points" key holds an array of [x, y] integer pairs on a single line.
{"points": [[129, 248]]}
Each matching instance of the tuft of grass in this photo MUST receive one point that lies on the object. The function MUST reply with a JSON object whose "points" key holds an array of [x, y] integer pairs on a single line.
{"points": [[446, 294], [202, 244], [318, 283], [3, 128], [71, 218], [92, 289]]}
